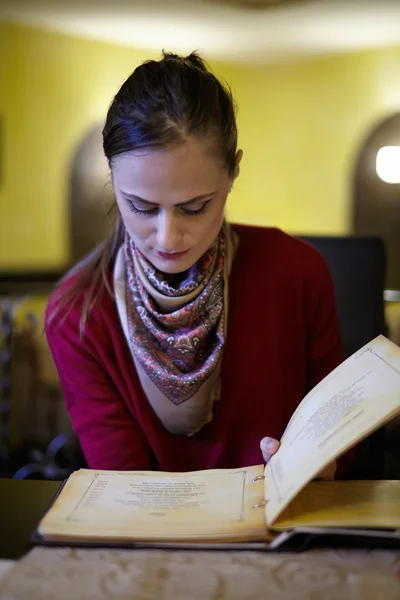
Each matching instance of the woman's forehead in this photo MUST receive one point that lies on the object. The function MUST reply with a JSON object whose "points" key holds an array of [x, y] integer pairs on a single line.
{"points": [[187, 166]]}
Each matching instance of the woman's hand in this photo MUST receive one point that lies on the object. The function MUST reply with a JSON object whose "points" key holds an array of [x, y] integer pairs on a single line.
{"points": [[270, 446]]}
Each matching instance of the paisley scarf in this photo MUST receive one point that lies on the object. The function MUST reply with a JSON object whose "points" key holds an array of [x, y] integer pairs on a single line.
{"points": [[175, 326]]}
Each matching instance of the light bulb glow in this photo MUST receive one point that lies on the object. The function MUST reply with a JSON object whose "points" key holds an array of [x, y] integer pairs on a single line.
{"points": [[388, 164]]}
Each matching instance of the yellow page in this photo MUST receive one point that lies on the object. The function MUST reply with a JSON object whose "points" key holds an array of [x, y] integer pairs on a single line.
{"points": [[365, 504], [156, 506], [354, 400]]}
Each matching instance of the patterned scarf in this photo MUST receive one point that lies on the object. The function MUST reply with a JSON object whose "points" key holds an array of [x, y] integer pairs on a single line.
{"points": [[176, 323]]}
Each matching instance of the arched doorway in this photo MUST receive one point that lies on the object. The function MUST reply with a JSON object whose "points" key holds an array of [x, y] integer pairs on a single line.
{"points": [[91, 195], [376, 209]]}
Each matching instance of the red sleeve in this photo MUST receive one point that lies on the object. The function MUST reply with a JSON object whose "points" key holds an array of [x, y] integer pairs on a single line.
{"points": [[109, 435], [324, 340]]}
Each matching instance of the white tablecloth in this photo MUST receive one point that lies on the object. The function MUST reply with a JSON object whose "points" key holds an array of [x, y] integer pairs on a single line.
{"points": [[65, 574], [5, 566]]}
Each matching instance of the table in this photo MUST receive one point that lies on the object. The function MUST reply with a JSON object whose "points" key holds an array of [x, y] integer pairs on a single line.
{"points": [[92, 574], [5, 566], [114, 574], [22, 505]]}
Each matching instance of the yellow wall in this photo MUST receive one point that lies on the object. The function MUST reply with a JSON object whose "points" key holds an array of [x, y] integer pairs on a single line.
{"points": [[300, 127], [54, 87]]}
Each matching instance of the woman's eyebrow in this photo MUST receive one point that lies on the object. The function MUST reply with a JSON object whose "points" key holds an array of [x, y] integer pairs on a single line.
{"points": [[191, 201]]}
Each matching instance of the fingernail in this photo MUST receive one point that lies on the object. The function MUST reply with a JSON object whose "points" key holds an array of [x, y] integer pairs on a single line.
{"points": [[267, 446]]}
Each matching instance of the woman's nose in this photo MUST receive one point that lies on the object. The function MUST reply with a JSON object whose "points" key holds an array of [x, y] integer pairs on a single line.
{"points": [[168, 233]]}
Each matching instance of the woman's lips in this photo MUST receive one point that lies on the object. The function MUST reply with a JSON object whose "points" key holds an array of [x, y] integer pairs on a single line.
{"points": [[172, 255]]}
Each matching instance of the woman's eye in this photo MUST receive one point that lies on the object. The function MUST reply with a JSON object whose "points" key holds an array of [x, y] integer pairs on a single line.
{"points": [[196, 211], [153, 211], [140, 211]]}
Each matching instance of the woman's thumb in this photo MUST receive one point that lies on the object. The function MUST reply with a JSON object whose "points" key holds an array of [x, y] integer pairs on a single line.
{"points": [[268, 447]]}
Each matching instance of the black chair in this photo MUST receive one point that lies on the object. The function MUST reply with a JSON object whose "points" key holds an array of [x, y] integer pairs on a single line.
{"points": [[358, 269]]}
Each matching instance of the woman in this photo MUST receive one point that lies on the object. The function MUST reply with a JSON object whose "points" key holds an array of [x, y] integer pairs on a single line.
{"points": [[183, 342]]}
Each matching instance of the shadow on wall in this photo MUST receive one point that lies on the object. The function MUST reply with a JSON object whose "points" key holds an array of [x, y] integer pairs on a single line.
{"points": [[91, 195]]}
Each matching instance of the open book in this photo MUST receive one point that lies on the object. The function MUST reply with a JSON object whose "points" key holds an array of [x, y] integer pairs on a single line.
{"points": [[252, 504]]}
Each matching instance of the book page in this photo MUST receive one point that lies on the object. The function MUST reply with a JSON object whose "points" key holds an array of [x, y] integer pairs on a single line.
{"points": [[355, 399], [146, 506], [360, 504]]}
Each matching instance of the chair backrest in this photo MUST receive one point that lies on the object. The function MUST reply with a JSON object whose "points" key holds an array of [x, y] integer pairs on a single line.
{"points": [[358, 268]]}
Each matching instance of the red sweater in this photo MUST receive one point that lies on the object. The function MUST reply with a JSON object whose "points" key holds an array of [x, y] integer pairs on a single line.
{"points": [[282, 339]]}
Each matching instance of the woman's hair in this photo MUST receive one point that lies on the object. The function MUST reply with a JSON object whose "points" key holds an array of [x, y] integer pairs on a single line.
{"points": [[159, 106]]}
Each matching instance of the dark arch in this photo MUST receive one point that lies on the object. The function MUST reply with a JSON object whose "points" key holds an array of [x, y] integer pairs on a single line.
{"points": [[91, 195], [376, 208]]}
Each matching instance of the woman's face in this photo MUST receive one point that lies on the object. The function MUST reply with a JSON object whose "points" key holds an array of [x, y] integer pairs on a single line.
{"points": [[172, 201]]}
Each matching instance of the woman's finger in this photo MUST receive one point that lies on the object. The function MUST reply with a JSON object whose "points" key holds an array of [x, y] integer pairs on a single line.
{"points": [[268, 447]]}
